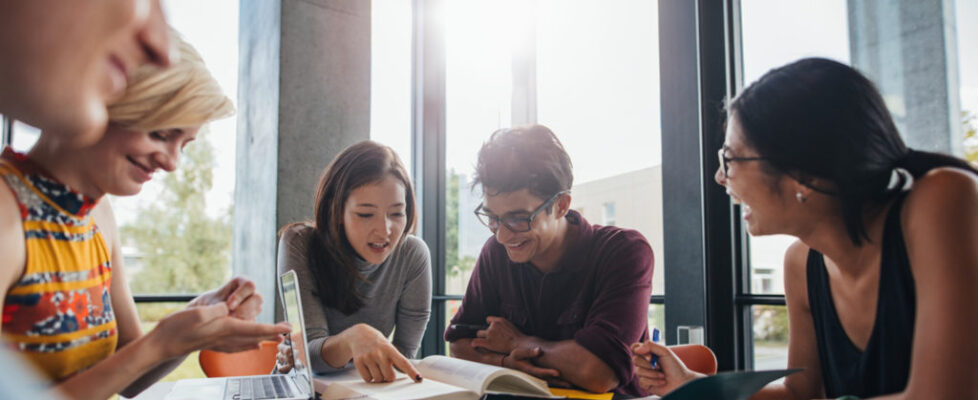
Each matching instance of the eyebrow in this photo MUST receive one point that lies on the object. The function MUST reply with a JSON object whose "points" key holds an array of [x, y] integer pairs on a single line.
{"points": [[376, 206], [508, 212]]}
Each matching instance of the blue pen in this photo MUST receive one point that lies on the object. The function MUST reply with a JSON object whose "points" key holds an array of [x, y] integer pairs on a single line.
{"points": [[655, 339]]}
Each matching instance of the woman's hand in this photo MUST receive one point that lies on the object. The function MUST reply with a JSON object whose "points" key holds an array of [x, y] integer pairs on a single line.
{"points": [[284, 360], [211, 327], [239, 294], [669, 374], [375, 357]]}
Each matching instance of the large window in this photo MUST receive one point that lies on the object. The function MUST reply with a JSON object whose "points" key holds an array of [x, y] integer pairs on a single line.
{"points": [[596, 88], [390, 75], [896, 50]]}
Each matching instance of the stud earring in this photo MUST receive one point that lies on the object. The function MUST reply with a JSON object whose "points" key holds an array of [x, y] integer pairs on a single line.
{"points": [[800, 197]]}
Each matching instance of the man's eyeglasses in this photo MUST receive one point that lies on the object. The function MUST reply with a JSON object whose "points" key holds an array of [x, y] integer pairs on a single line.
{"points": [[724, 161], [514, 224]]}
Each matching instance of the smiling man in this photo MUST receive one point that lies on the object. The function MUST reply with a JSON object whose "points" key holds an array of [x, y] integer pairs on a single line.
{"points": [[551, 295]]}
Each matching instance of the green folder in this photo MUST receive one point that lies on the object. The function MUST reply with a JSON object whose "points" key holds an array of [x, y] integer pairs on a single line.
{"points": [[727, 385]]}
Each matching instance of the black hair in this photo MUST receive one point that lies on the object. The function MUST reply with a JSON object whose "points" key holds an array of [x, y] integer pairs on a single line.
{"points": [[528, 157], [818, 118]]}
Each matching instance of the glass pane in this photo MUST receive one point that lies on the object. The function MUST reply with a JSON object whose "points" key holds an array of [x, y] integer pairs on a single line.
{"points": [[24, 136], [967, 11], [657, 319], [815, 29], [390, 76], [598, 90], [451, 307], [478, 86], [176, 233], [770, 337]]}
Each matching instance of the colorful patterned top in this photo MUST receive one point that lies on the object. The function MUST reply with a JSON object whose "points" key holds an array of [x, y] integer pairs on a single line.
{"points": [[59, 314]]}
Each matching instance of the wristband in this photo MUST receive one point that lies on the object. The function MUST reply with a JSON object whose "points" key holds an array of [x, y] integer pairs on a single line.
{"points": [[848, 397]]}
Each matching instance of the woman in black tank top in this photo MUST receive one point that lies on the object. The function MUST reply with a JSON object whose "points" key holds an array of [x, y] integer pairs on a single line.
{"points": [[882, 284]]}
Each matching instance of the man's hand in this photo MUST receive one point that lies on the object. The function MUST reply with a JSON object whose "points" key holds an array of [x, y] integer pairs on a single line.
{"points": [[500, 337], [239, 294], [521, 358]]}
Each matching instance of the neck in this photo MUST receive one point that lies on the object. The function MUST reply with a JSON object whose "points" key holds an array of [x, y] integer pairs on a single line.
{"points": [[830, 237], [548, 259], [63, 164]]}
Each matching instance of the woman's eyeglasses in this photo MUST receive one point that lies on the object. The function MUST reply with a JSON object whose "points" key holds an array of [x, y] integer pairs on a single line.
{"points": [[724, 161]]}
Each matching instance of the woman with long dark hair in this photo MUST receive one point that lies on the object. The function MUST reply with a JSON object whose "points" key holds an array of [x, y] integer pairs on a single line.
{"points": [[363, 272], [881, 284]]}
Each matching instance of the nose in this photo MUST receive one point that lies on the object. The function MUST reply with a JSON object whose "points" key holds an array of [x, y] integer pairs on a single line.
{"points": [[719, 178], [154, 37], [500, 235], [167, 160]]}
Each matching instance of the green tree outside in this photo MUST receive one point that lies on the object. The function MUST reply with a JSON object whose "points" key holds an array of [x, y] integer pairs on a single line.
{"points": [[968, 120], [183, 249]]}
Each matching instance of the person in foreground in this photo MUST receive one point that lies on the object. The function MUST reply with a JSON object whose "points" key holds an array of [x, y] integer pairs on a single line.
{"points": [[366, 273], [551, 294], [67, 306], [63, 61], [90, 41], [880, 286]]}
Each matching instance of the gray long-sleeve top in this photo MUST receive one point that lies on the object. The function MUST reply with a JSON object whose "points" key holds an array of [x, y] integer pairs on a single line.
{"points": [[397, 293]]}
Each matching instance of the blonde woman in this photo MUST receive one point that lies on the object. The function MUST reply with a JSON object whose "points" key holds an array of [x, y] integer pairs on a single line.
{"points": [[67, 306]]}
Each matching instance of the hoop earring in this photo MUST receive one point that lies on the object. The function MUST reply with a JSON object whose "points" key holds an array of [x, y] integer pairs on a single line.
{"points": [[800, 197]]}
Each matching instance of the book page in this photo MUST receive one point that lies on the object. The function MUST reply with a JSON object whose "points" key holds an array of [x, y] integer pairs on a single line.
{"points": [[467, 374], [481, 378], [401, 389]]}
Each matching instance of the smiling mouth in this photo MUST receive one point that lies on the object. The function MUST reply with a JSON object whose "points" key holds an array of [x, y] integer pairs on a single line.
{"points": [[378, 246], [517, 246], [143, 168]]}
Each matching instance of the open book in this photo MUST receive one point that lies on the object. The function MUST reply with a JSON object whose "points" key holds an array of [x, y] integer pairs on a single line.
{"points": [[444, 378]]}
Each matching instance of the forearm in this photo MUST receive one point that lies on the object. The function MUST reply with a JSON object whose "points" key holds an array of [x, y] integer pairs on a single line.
{"points": [[775, 391], [576, 364], [112, 375], [463, 349], [336, 351], [155, 374]]}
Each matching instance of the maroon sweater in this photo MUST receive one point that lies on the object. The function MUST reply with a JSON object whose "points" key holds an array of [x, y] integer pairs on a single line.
{"points": [[598, 295]]}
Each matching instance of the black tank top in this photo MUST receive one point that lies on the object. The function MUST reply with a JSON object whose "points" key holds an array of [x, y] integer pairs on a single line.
{"points": [[882, 368]]}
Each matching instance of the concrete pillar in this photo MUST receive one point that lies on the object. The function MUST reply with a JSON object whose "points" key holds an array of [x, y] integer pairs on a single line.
{"points": [[909, 49], [303, 96]]}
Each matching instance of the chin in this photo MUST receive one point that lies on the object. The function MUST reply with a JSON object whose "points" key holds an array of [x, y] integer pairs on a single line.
{"points": [[126, 191]]}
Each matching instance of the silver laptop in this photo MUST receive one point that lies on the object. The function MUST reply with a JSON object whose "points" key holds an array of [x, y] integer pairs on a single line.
{"points": [[294, 385]]}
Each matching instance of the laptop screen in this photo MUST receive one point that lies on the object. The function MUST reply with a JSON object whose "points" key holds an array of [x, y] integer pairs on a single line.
{"points": [[289, 288]]}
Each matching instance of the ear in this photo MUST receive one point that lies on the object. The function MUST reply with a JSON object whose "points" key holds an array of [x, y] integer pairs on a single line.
{"points": [[562, 205], [803, 185]]}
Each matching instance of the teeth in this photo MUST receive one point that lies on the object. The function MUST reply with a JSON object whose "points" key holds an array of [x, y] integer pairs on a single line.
{"points": [[377, 245]]}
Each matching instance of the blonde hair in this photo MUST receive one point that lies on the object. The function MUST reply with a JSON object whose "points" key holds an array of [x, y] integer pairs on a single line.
{"points": [[183, 95]]}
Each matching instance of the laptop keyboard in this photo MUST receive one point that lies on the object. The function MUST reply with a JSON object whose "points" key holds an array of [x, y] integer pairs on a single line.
{"points": [[256, 388]]}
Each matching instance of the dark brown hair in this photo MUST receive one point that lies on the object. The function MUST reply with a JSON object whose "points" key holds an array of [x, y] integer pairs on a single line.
{"points": [[332, 259], [528, 157]]}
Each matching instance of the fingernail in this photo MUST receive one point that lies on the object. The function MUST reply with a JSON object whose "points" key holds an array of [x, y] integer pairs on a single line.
{"points": [[417, 378]]}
